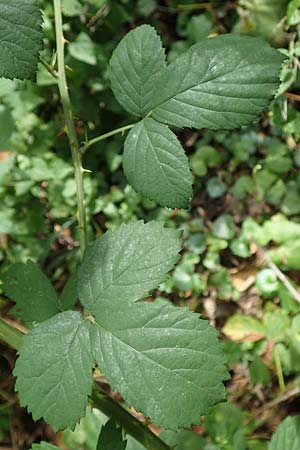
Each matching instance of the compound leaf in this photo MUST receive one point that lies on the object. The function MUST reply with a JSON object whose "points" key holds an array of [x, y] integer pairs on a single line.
{"points": [[287, 435], [156, 166], [20, 38], [54, 370], [111, 437], [164, 360], [134, 69], [124, 265], [219, 83], [28, 286]]}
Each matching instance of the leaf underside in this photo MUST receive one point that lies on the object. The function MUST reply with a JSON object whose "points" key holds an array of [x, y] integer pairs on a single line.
{"points": [[156, 166], [219, 83], [134, 68], [54, 370], [20, 38]]}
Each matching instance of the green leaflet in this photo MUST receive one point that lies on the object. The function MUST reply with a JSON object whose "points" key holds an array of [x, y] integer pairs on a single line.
{"points": [[151, 350], [44, 446], [156, 166], [28, 286], [69, 295], [220, 83], [110, 437], [54, 370], [20, 38], [146, 350], [134, 69], [35, 297], [126, 264], [287, 435]]}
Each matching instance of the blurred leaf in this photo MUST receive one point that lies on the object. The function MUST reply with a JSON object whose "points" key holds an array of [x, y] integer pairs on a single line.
{"points": [[71, 7], [225, 426], [223, 227], [262, 17], [6, 127], [267, 283], [287, 435], [183, 440], [83, 49], [244, 328], [240, 247], [215, 187], [199, 27], [146, 7], [293, 12], [259, 372], [276, 324], [244, 185]]}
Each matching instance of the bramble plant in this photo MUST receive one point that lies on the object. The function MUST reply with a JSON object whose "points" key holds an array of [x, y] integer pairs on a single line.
{"points": [[165, 361]]}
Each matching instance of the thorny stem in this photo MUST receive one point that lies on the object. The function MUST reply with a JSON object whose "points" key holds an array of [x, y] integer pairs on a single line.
{"points": [[88, 144], [132, 425], [66, 104], [101, 400], [10, 335]]}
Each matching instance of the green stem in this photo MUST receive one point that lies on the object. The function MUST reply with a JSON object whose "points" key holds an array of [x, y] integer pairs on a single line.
{"points": [[279, 371], [101, 400], [134, 427], [66, 104], [10, 335], [88, 144], [49, 68]]}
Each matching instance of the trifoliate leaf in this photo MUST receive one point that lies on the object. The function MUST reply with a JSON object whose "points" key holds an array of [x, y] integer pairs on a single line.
{"points": [[134, 68], [156, 166], [44, 446], [20, 38], [111, 437], [287, 435], [164, 360], [54, 370], [220, 83], [126, 264], [28, 286]]}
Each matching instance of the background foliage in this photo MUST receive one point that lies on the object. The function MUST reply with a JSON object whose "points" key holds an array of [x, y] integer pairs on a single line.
{"points": [[245, 211]]}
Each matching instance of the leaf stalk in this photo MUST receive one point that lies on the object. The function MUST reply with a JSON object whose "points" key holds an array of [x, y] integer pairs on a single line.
{"points": [[93, 141]]}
